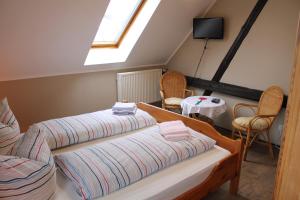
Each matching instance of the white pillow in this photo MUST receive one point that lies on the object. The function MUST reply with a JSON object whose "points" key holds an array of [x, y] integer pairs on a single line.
{"points": [[9, 128]]}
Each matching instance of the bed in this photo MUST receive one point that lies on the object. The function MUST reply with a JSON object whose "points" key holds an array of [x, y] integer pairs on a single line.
{"points": [[66, 131], [189, 179]]}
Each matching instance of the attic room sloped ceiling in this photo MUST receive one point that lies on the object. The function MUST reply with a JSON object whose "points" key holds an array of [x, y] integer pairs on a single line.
{"points": [[44, 38]]}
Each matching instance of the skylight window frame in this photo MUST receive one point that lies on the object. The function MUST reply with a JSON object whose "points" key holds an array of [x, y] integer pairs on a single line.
{"points": [[96, 45]]}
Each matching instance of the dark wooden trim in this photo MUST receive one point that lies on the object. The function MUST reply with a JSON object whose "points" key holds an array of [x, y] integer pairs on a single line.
{"points": [[237, 42], [229, 89]]}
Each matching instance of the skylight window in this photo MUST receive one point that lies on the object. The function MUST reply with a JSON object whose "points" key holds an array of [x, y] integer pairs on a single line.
{"points": [[122, 36], [117, 20]]}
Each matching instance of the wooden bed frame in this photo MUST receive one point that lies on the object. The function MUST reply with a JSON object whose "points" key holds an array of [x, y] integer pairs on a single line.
{"points": [[227, 170]]}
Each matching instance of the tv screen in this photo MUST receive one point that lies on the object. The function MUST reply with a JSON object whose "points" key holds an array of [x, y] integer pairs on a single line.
{"points": [[208, 28]]}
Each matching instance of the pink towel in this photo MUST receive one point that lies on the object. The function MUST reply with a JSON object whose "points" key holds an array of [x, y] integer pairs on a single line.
{"points": [[172, 127], [177, 137], [174, 130]]}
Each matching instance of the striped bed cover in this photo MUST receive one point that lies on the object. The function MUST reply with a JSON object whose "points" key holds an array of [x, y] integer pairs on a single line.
{"points": [[66, 131], [9, 128], [29, 172], [109, 166]]}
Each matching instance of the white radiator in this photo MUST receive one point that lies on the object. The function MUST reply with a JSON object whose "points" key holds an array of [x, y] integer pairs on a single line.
{"points": [[139, 86]]}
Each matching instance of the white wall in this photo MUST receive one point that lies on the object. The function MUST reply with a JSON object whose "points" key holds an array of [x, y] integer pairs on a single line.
{"points": [[41, 38], [50, 39], [38, 99], [265, 57]]}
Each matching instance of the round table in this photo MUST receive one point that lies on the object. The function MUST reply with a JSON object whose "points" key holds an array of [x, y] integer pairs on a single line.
{"points": [[203, 105]]}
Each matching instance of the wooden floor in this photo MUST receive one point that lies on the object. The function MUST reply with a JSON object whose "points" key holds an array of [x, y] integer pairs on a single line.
{"points": [[257, 177]]}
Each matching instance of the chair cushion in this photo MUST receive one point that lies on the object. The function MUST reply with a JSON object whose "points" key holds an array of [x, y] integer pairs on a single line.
{"points": [[9, 128], [173, 101], [243, 123]]}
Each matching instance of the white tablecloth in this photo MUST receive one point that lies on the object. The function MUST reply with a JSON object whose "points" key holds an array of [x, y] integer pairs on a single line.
{"points": [[206, 107]]}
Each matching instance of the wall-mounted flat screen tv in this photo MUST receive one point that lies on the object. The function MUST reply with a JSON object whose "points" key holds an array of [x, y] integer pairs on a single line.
{"points": [[208, 28]]}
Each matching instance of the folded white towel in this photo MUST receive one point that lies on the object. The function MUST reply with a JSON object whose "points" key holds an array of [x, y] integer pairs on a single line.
{"points": [[125, 112], [124, 108]]}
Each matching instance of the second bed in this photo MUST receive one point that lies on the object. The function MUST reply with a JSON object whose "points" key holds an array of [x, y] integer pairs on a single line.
{"points": [[191, 178]]}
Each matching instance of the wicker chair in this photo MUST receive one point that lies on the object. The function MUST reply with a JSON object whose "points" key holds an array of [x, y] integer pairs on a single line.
{"points": [[173, 90], [264, 114]]}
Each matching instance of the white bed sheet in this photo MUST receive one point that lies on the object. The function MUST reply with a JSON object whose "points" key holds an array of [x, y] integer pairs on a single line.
{"points": [[165, 184]]}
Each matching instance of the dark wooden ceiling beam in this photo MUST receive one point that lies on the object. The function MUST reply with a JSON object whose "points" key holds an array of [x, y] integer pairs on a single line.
{"points": [[237, 42], [228, 89]]}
